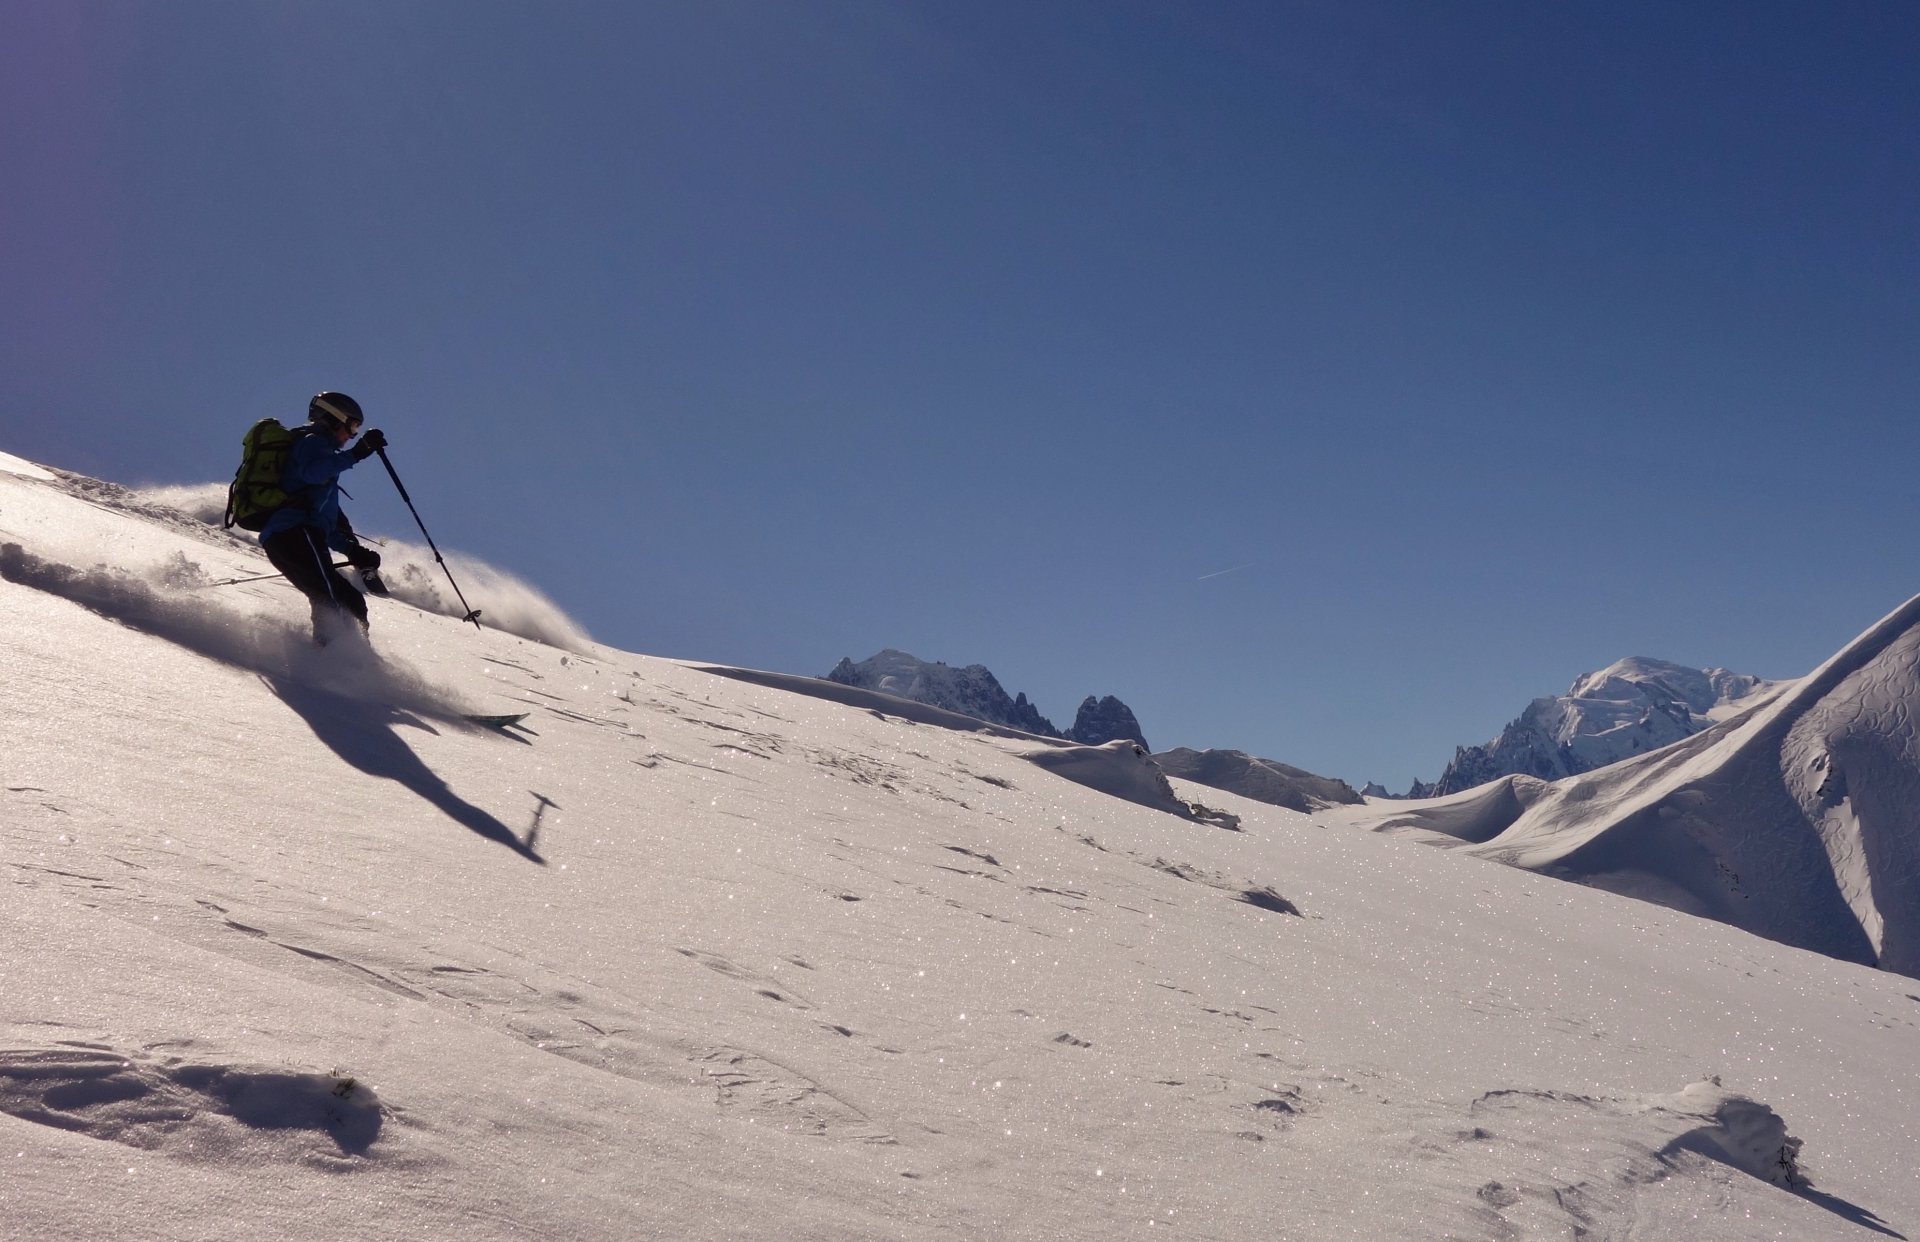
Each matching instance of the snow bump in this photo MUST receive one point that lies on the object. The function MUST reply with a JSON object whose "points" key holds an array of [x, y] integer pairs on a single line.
{"points": [[192, 1110]]}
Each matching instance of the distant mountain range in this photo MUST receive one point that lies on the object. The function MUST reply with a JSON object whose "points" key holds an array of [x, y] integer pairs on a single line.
{"points": [[1793, 819], [974, 691], [1628, 708]]}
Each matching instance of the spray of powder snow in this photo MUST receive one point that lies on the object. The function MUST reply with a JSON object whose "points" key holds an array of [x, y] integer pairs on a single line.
{"points": [[206, 502], [505, 602], [165, 601]]}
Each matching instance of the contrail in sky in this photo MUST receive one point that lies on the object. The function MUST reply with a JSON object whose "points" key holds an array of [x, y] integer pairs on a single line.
{"points": [[1221, 573]]}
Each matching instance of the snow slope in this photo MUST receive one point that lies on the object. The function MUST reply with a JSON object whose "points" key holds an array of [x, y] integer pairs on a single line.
{"points": [[1798, 821], [1263, 780], [293, 951]]}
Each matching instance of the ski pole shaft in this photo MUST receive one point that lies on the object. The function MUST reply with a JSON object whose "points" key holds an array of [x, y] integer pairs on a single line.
{"points": [[264, 577], [473, 614]]}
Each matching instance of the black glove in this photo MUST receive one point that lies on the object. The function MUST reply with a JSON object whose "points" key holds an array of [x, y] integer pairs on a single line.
{"points": [[371, 442], [360, 556], [371, 580]]}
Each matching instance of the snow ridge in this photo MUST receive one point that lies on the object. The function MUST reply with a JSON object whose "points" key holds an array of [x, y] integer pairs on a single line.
{"points": [[1263, 780]]}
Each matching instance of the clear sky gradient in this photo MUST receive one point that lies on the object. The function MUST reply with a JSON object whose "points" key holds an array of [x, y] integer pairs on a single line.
{"points": [[1324, 379]]}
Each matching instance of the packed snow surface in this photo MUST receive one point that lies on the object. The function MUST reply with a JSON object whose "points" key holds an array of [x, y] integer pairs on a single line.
{"points": [[295, 951]]}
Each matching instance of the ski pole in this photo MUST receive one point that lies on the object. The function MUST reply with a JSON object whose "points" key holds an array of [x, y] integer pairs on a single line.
{"points": [[263, 577], [473, 614]]}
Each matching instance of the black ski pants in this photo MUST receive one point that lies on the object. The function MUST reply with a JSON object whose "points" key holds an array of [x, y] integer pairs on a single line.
{"points": [[303, 556]]}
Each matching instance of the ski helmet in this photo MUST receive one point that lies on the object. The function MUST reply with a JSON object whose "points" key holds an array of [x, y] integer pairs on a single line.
{"points": [[335, 407]]}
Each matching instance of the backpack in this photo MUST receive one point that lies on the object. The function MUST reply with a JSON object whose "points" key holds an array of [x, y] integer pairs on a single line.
{"points": [[256, 490]]}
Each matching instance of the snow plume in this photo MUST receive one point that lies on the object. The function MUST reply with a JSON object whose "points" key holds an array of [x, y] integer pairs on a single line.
{"points": [[505, 602], [204, 501], [166, 600]]}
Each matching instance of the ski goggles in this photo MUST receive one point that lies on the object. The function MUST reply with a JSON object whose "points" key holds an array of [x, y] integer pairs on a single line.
{"points": [[338, 415]]}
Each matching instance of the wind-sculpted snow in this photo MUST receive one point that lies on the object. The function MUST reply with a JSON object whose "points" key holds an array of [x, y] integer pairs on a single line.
{"points": [[1796, 821], [192, 1111], [1123, 769], [1263, 780]]}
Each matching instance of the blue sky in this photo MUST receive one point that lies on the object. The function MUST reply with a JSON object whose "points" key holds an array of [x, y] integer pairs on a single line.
{"points": [[1485, 343]]}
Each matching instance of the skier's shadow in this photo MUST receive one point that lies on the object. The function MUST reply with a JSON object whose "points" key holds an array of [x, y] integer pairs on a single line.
{"points": [[1848, 1211], [364, 735]]}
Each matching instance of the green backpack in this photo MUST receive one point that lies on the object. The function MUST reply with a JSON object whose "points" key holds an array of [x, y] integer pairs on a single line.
{"points": [[256, 491]]}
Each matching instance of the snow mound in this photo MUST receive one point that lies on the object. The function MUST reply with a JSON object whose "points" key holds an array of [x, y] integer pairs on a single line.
{"points": [[1560, 1163], [1793, 820], [1119, 769], [1263, 780], [193, 1111], [1734, 1130]]}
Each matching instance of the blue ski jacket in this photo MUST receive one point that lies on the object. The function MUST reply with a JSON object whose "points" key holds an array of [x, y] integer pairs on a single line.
{"points": [[312, 480]]}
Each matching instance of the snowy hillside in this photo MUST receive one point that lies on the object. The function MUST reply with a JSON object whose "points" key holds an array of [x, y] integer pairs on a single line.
{"points": [[294, 951], [1798, 820], [1263, 780], [1628, 708]]}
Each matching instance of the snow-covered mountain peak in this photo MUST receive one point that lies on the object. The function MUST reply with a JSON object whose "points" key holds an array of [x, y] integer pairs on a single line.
{"points": [[1631, 707], [972, 690], [906, 676], [1707, 693]]}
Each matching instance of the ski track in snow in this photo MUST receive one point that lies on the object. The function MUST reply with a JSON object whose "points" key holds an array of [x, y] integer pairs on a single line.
{"points": [[792, 966]]}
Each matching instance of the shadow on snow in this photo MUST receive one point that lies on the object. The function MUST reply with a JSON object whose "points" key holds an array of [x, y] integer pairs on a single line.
{"points": [[365, 736]]}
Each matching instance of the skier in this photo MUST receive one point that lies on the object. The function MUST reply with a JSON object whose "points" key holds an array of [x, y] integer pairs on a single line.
{"points": [[301, 536]]}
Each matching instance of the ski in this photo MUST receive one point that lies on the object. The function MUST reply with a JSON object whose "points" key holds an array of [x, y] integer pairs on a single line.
{"points": [[500, 722]]}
